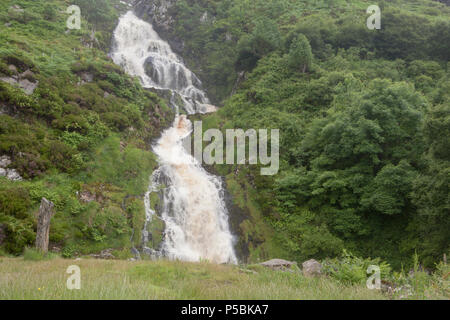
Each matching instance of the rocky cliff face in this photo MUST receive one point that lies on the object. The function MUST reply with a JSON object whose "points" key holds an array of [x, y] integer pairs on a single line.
{"points": [[158, 13]]}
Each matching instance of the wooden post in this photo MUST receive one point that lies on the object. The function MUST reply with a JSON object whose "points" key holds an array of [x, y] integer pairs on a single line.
{"points": [[445, 258], [46, 211]]}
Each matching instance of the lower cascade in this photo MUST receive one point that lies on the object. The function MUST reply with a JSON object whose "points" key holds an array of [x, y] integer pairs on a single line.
{"points": [[192, 205]]}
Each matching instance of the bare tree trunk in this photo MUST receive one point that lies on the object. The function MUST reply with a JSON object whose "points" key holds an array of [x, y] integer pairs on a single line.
{"points": [[46, 211]]}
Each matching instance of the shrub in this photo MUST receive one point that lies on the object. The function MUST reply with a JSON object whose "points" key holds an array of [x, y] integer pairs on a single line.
{"points": [[300, 55], [15, 202], [349, 269], [68, 251], [19, 233], [49, 12]]}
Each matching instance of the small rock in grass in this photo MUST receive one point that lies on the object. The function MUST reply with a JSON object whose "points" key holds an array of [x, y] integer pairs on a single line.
{"points": [[278, 264], [312, 268]]}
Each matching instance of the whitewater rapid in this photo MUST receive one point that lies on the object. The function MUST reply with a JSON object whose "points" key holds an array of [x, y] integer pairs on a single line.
{"points": [[193, 207]]}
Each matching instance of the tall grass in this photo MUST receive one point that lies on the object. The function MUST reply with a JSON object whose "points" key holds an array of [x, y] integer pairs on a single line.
{"points": [[101, 279], [33, 254]]}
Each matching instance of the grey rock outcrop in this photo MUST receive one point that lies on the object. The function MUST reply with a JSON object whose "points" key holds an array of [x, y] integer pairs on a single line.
{"points": [[10, 174], [312, 268], [25, 81], [278, 264]]}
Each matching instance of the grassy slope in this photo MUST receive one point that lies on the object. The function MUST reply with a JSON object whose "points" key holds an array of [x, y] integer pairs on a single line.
{"points": [[100, 279], [86, 138]]}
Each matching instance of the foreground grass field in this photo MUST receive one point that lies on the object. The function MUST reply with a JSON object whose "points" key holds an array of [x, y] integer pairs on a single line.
{"points": [[118, 279]]}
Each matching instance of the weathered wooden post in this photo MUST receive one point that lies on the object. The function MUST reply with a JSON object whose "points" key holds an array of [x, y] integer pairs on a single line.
{"points": [[46, 211]]}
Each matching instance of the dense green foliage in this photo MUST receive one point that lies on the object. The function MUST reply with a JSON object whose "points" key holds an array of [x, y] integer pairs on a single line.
{"points": [[363, 117], [81, 139]]}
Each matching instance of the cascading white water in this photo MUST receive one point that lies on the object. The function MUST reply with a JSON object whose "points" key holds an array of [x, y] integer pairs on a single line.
{"points": [[193, 207], [142, 53]]}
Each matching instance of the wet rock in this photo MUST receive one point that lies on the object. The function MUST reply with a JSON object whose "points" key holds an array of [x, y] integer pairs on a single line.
{"points": [[150, 69], [135, 252], [312, 268], [151, 253], [196, 81], [278, 264]]}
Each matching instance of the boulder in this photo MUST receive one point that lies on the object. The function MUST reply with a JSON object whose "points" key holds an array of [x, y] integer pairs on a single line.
{"points": [[13, 175], [27, 86], [12, 68], [278, 264], [135, 252], [28, 74], [205, 108], [5, 161], [86, 77], [3, 172], [312, 268]]}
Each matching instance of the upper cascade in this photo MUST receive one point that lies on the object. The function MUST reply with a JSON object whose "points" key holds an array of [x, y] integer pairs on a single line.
{"points": [[142, 53]]}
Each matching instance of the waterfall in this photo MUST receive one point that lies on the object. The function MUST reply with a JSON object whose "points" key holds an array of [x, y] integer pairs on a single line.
{"points": [[193, 207], [142, 53]]}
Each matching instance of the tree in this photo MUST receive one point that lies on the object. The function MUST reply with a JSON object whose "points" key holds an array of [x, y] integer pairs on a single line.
{"points": [[300, 55], [264, 39], [432, 189]]}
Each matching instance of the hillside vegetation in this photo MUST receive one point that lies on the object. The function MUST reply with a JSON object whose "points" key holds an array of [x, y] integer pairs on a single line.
{"points": [[81, 139], [363, 118]]}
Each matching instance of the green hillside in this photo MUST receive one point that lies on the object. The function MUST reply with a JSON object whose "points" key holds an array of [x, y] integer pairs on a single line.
{"points": [[81, 139], [364, 119]]}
